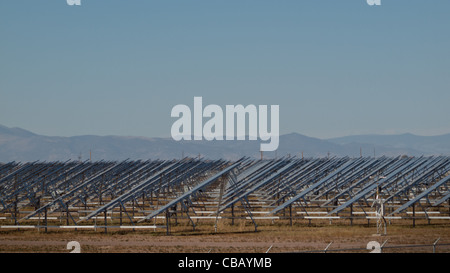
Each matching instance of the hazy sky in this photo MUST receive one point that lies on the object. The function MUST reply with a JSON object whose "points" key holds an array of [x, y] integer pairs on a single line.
{"points": [[118, 67]]}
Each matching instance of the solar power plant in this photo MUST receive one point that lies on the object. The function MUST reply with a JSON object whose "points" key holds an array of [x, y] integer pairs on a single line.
{"points": [[152, 194]]}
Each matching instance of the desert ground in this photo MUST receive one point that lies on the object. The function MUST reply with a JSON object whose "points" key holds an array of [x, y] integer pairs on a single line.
{"points": [[278, 237]]}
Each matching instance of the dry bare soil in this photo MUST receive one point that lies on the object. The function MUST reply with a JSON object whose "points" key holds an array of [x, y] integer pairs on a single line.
{"points": [[239, 238]]}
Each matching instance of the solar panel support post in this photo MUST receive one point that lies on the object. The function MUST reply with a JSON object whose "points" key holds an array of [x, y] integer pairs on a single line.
{"points": [[67, 213], [184, 204], [45, 219], [85, 206], [351, 215], [106, 223], [222, 189], [122, 208], [244, 200], [434, 244], [39, 215], [133, 208], [15, 213], [414, 214], [290, 215], [66, 207], [16, 200], [175, 214], [143, 200], [100, 190], [246, 204], [167, 222], [120, 214]]}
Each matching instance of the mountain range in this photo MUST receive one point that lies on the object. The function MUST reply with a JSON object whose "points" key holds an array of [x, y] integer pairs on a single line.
{"points": [[20, 145]]}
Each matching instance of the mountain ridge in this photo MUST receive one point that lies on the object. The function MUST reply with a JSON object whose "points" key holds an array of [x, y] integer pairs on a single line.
{"points": [[17, 144]]}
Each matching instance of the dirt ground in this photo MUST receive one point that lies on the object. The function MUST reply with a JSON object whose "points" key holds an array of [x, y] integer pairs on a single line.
{"points": [[240, 238]]}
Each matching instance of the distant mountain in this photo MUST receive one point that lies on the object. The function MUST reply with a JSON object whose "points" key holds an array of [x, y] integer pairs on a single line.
{"points": [[18, 132], [17, 144], [413, 144]]}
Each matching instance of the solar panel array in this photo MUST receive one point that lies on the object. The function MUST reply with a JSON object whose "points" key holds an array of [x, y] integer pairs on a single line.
{"points": [[151, 194]]}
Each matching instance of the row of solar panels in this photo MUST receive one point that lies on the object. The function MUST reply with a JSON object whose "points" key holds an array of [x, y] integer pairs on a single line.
{"points": [[326, 185]]}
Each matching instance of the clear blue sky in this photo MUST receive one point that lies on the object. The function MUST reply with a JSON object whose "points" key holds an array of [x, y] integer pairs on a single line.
{"points": [[118, 67]]}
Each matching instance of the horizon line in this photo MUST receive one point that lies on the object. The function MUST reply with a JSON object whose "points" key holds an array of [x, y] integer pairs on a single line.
{"points": [[246, 136]]}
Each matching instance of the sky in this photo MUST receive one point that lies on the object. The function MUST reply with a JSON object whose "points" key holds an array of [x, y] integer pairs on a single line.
{"points": [[117, 67]]}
